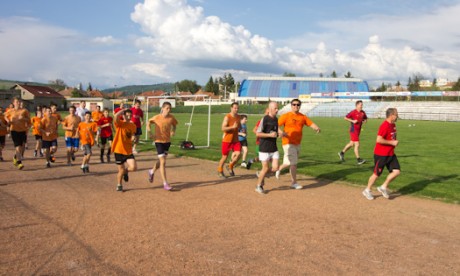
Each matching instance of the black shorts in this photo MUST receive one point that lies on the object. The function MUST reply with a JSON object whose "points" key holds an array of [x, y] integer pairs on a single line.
{"points": [[2, 141], [38, 138], [162, 148], [105, 139], [244, 143], [19, 138], [121, 158], [49, 144], [138, 131], [390, 162]]}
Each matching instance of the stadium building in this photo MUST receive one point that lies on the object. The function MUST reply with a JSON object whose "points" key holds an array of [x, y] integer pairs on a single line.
{"points": [[283, 89]]}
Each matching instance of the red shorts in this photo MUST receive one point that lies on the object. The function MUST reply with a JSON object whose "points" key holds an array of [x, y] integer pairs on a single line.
{"points": [[354, 136], [227, 147]]}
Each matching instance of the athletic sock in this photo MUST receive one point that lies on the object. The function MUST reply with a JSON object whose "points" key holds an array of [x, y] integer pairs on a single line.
{"points": [[108, 151]]}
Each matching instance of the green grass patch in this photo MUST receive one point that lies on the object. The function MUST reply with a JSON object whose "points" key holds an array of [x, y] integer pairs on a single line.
{"points": [[427, 152]]}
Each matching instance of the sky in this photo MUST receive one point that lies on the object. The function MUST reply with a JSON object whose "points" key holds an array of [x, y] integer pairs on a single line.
{"points": [[116, 43]]}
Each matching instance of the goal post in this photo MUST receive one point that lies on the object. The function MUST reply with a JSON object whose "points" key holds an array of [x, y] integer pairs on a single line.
{"points": [[158, 102]]}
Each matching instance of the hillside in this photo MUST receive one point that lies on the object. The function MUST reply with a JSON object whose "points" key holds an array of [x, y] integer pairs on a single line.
{"points": [[7, 84], [135, 89]]}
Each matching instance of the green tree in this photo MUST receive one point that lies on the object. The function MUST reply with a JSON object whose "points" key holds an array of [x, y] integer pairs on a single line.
{"points": [[288, 74], [321, 75], [456, 86], [209, 87], [188, 85], [348, 75], [90, 88], [334, 74], [76, 93]]}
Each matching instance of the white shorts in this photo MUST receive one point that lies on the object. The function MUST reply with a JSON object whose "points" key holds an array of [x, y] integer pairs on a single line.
{"points": [[267, 156], [291, 154]]}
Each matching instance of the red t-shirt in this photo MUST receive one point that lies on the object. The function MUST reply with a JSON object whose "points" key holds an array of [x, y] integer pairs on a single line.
{"points": [[137, 115], [388, 132], [356, 115], [106, 132]]}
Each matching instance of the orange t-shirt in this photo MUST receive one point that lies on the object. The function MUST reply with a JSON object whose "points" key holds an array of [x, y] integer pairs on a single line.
{"points": [[122, 142], [36, 122], [71, 121], [3, 129], [231, 136], [57, 115], [163, 126], [86, 132], [293, 124], [96, 115], [49, 124], [19, 119]]}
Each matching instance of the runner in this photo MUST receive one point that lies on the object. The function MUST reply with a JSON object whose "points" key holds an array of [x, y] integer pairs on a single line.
{"points": [[254, 130], [3, 132], [165, 127], [292, 124], [242, 137], [36, 122], [81, 111], [86, 131], [268, 131], [230, 126], [138, 120], [122, 146], [356, 118], [48, 128], [384, 155], [72, 138], [105, 129], [96, 115], [19, 122], [59, 120]]}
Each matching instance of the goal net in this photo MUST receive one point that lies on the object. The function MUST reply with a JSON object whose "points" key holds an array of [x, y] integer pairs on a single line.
{"points": [[192, 127]]}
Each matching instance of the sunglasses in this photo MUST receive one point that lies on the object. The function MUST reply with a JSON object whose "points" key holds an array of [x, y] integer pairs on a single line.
{"points": [[295, 104]]}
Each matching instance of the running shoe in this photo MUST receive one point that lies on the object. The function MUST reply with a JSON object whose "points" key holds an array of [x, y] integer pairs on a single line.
{"points": [[221, 175], [15, 161], [126, 177], [119, 188], [167, 187], [244, 165], [361, 161], [383, 191], [249, 164], [277, 174], [20, 166], [230, 171], [72, 156], [151, 175], [35, 153], [368, 194], [296, 186], [342, 156], [48, 165], [260, 189]]}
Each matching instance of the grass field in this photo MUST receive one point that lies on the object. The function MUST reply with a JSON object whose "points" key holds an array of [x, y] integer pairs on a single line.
{"points": [[427, 153]]}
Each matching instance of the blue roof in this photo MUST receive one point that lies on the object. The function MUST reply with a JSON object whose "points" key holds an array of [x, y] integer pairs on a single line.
{"points": [[293, 87]]}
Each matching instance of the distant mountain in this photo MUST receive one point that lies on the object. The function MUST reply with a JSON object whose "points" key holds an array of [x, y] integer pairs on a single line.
{"points": [[7, 84], [136, 89]]}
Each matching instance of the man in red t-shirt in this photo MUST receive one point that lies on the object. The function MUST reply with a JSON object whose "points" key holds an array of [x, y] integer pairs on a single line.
{"points": [[384, 155], [356, 118], [105, 125], [138, 119]]}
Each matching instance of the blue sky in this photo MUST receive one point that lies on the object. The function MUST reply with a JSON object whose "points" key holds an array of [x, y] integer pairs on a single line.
{"points": [[116, 43]]}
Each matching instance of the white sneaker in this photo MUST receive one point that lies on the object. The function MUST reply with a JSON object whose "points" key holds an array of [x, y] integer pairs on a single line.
{"points": [[244, 165], [260, 189], [296, 186], [277, 174], [368, 194], [383, 191]]}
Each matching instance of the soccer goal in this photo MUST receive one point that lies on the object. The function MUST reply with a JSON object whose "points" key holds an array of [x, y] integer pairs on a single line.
{"points": [[157, 101]]}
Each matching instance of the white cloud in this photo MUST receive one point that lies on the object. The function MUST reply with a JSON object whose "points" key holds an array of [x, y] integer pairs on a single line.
{"points": [[156, 70], [106, 40], [397, 46]]}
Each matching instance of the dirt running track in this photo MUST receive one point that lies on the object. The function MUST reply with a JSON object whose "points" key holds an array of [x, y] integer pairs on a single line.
{"points": [[59, 221]]}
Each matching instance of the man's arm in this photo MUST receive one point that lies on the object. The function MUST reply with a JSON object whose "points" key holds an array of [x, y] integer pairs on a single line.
{"points": [[383, 141], [315, 128]]}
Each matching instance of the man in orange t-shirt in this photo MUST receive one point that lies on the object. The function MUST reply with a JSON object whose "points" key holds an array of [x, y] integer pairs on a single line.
{"points": [[230, 142], [293, 123], [3, 132], [72, 138], [48, 128], [86, 131], [165, 127], [36, 122], [19, 120], [122, 146]]}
